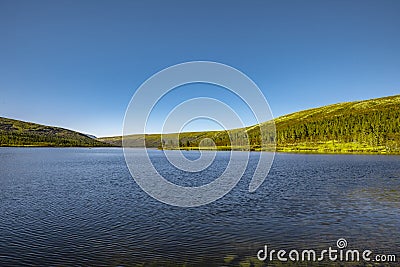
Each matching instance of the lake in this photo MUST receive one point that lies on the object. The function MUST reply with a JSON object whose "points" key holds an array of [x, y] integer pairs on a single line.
{"points": [[80, 206]]}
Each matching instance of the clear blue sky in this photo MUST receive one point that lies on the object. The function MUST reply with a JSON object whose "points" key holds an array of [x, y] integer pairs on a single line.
{"points": [[76, 64]]}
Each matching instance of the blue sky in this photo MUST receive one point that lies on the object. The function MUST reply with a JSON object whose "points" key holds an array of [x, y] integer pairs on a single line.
{"points": [[76, 64]]}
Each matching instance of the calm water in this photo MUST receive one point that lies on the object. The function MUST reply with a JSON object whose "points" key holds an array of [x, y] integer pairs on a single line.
{"points": [[74, 206]]}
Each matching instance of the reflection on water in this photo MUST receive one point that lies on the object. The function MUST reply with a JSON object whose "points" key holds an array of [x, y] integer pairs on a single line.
{"points": [[81, 207], [379, 196]]}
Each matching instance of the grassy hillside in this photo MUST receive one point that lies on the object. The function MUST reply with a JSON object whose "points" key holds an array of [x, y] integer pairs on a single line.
{"points": [[20, 133], [360, 126], [370, 126]]}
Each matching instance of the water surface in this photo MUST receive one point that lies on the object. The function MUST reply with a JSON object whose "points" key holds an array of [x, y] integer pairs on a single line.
{"points": [[78, 206]]}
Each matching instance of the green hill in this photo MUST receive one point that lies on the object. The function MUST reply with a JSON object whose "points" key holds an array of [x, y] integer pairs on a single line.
{"points": [[360, 126], [370, 126], [20, 133]]}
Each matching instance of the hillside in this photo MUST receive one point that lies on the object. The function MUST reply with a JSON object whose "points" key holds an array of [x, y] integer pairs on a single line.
{"points": [[360, 126], [369, 126], [20, 133]]}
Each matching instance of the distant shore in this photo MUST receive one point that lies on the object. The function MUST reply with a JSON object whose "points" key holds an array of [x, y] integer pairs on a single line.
{"points": [[291, 150]]}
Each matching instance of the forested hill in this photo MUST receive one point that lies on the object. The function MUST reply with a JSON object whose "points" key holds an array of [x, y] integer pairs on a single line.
{"points": [[20, 133], [360, 126], [370, 126]]}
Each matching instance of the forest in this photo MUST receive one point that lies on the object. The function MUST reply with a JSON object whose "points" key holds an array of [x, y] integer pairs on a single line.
{"points": [[370, 126]]}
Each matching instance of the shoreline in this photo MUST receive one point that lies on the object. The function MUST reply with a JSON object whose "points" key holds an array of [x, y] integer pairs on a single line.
{"points": [[278, 150], [301, 152]]}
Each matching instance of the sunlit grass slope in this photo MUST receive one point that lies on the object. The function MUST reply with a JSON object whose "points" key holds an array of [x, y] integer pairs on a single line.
{"points": [[369, 126], [20, 133]]}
